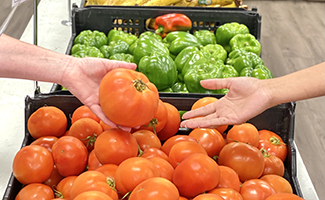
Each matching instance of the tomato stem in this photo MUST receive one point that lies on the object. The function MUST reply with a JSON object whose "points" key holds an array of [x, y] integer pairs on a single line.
{"points": [[140, 151], [140, 85], [274, 140]]}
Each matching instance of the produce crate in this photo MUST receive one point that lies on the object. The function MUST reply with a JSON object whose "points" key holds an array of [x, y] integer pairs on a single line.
{"points": [[279, 119], [133, 20]]}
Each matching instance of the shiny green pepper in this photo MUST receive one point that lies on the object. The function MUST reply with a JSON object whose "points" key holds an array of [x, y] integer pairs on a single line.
{"points": [[179, 40], [179, 87], [117, 35], [81, 51], [215, 51], [205, 37], [122, 57], [114, 47], [91, 38], [260, 72], [241, 59], [246, 42]]}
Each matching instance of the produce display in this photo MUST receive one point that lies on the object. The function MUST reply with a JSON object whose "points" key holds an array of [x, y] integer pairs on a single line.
{"points": [[174, 59]]}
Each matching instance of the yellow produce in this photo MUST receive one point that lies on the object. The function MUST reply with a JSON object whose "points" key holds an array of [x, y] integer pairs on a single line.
{"points": [[232, 5], [182, 3], [161, 2]]}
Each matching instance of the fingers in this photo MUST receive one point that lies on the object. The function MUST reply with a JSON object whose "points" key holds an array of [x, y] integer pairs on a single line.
{"points": [[214, 84], [119, 64], [202, 111], [210, 121]]}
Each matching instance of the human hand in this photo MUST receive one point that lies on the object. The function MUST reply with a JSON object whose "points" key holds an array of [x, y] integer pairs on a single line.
{"points": [[82, 78], [247, 97]]}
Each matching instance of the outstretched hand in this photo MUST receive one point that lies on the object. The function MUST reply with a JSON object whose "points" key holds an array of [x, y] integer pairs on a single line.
{"points": [[246, 98], [82, 78]]}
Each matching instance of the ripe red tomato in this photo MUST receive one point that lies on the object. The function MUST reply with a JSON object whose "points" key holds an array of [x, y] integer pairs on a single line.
{"points": [[156, 188], [245, 159], [128, 98], [227, 193], [83, 112], [256, 189], [108, 170], [46, 141], [273, 143], [154, 152], [279, 184], [64, 186], [104, 126], [165, 169], [32, 164], [70, 156], [54, 178], [173, 122], [86, 130], [146, 139], [208, 197], [47, 121], [284, 196], [245, 132], [228, 178], [210, 139], [93, 162], [93, 195], [196, 174], [132, 172], [182, 198], [273, 164], [92, 181], [114, 146], [35, 191], [170, 142]]}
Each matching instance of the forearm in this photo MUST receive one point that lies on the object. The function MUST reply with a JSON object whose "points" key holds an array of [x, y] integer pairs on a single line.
{"points": [[26, 61], [304, 84]]}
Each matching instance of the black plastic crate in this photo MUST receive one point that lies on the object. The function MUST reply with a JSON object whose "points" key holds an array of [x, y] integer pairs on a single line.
{"points": [[279, 119]]}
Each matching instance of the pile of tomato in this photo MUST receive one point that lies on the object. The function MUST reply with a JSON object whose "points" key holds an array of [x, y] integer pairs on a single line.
{"points": [[90, 160]]}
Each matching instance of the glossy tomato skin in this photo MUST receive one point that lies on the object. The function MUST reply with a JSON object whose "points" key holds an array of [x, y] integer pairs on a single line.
{"points": [[228, 178], [208, 197], [47, 121], [45, 141], [70, 156], [93, 162], [114, 146], [83, 112], [156, 188], [32, 164], [245, 159], [154, 152], [256, 189], [128, 98], [35, 191], [165, 169], [173, 123], [245, 132], [196, 174], [64, 186], [93, 195], [227, 193], [147, 139], [279, 184], [284, 196], [168, 144], [273, 165], [108, 170], [273, 143], [54, 178]]}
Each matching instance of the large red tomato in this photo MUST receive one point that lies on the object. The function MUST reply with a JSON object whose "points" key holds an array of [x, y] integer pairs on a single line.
{"points": [[210, 139], [245, 159], [228, 178], [54, 178], [173, 122], [165, 169], [170, 142], [47, 121], [208, 197], [128, 98], [93, 195], [132, 172], [245, 132], [273, 164], [147, 139], [154, 152], [92, 181], [46, 141], [284, 196], [114, 146], [35, 191], [156, 188], [196, 174], [227, 193], [273, 143], [64, 186], [279, 184], [256, 189], [109, 171], [93, 162], [83, 112], [70, 156], [32, 164]]}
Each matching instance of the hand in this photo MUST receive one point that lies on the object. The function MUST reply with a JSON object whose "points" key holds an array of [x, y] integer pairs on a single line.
{"points": [[82, 78], [247, 98]]}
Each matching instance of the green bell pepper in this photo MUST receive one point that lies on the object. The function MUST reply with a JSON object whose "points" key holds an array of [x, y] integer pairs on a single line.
{"points": [[91, 38], [159, 68], [246, 42], [260, 72], [241, 59], [117, 35], [215, 51], [179, 87], [114, 47], [178, 40], [122, 57], [149, 33], [167, 90], [205, 37], [225, 32], [194, 59], [81, 51]]}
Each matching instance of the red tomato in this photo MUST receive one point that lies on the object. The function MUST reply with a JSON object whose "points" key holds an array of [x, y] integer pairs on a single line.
{"points": [[104, 126], [208, 197], [196, 174], [183, 150], [156, 188], [228, 178], [279, 184], [108, 170], [245, 132], [46, 141], [154, 152], [158, 122], [133, 171], [64, 186], [114, 146], [146, 139], [47, 121], [273, 143], [284, 196], [32, 164], [54, 178], [210, 139], [169, 143], [245, 159], [93, 162], [128, 98], [227, 193], [86, 130], [35, 191], [173, 122], [182, 198], [93, 195], [83, 112], [273, 164], [70, 156], [164, 167], [256, 189], [92, 181]]}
